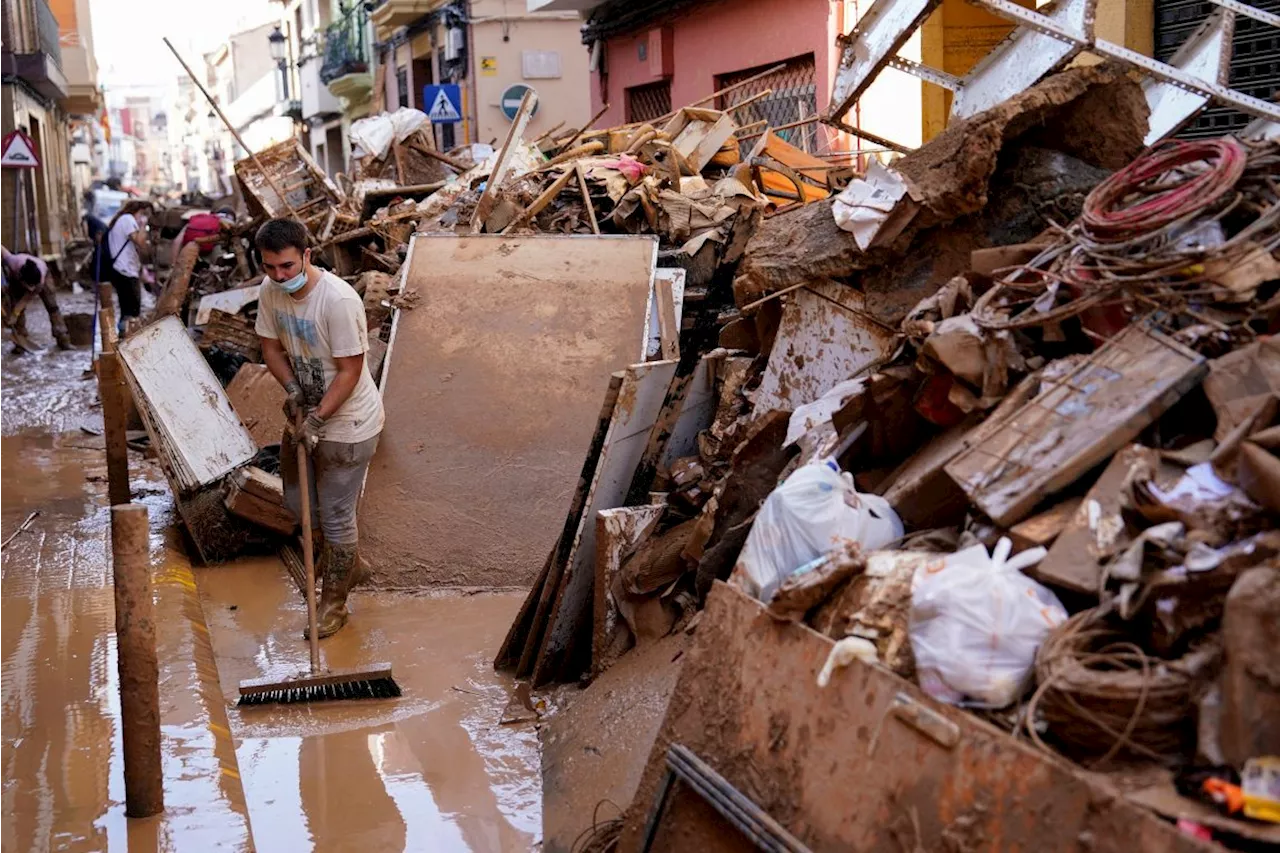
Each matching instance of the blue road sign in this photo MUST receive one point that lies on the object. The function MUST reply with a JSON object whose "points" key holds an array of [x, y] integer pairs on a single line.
{"points": [[511, 98], [444, 103]]}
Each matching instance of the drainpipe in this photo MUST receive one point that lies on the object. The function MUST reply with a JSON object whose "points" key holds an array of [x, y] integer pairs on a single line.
{"points": [[473, 82]]}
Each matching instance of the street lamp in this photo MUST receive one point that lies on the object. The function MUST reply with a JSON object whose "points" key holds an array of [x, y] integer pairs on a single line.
{"points": [[277, 41]]}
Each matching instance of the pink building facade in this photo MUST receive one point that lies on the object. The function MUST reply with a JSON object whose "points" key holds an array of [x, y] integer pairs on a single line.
{"points": [[648, 62]]}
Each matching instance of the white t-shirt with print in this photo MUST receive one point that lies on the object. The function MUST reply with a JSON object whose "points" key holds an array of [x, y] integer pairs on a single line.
{"points": [[127, 262], [329, 323]]}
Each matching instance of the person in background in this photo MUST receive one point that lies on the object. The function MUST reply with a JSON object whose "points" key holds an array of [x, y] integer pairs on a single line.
{"points": [[93, 226], [126, 242], [314, 339], [26, 277], [205, 229]]}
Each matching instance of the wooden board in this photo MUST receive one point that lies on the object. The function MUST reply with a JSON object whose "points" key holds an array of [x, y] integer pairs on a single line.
{"points": [[618, 533], [644, 389], [1077, 423], [666, 310], [696, 413], [491, 389], [192, 425]]}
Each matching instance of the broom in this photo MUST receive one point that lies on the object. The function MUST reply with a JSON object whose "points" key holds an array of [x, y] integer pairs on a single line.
{"points": [[316, 685]]}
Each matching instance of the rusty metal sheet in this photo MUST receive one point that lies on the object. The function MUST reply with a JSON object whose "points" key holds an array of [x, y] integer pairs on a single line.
{"points": [[867, 763], [825, 338], [1077, 422], [491, 388]]}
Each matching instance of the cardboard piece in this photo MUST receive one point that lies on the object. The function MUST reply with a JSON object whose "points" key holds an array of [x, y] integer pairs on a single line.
{"points": [[259, 401], [697, 134], [618, 533], [1077, 423], [492, 386], [1240, 383]]}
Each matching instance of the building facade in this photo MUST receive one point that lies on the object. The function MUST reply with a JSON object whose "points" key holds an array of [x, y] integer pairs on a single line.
{"points": [[50, 92], [647, 59], [492, 49]]}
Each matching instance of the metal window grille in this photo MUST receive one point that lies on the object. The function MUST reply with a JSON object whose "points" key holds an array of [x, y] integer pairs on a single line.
{"points": [[794, 97], [649, 102], [1255, 58], [344, 45]]}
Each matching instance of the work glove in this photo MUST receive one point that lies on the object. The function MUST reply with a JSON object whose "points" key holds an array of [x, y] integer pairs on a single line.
{"points": [[293, 401], [311, 427]]}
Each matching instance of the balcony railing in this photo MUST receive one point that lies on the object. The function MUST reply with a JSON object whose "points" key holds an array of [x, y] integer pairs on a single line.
{"points": [[344, 45], [47, 26]]}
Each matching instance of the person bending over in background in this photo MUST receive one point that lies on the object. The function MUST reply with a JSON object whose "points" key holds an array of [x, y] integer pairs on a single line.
{"points": [[314, 340], [25, 278]]}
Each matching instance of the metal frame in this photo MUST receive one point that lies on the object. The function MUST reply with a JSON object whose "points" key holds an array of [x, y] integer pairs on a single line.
{"points": [[760, 829], [1042, 43]]}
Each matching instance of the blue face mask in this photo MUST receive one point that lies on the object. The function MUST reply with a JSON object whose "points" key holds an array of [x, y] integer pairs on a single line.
{"points": [[293, 285]]}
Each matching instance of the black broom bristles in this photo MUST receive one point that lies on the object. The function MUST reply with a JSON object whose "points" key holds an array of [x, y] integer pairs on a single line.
{"points": [[375, 683]]}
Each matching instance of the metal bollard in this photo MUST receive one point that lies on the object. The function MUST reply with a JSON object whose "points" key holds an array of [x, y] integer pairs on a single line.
{"points": [[136, 660]]}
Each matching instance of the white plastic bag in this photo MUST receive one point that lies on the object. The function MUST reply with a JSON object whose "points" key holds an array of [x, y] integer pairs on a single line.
{"points": [[977, 623], [815, 510]]}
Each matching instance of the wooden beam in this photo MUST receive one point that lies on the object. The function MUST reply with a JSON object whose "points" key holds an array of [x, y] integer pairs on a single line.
{"points": [[503, 164]]}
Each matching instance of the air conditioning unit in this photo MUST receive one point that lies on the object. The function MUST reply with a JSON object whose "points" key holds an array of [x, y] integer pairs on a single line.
{"points": [[455, 43]]}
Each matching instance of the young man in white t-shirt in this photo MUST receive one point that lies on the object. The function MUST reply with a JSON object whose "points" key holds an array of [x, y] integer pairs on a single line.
{"points": [[314, 340]]}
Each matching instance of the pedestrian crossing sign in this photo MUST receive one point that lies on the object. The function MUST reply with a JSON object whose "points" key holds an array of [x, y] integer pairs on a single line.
{"points": [[444, 103]]}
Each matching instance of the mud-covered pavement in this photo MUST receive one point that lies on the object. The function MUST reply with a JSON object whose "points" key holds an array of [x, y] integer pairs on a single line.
{"points": [[433, 770]]}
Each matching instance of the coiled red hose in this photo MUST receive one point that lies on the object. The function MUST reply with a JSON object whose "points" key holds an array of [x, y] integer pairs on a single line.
{"points": [[1111, 214]]}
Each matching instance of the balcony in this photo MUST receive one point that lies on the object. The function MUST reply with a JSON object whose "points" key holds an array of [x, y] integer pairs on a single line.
{"points": [[346, 57], [318, 102], [390, 15], [32, 52]]}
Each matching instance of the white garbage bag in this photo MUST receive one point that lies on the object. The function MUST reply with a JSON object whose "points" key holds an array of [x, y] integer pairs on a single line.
{"points": [[814, 511], [977, 623], [374, 134]]}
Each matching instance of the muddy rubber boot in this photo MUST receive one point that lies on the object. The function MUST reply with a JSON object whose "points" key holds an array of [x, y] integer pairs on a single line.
{"points": [[59, 328], [343, 574]]}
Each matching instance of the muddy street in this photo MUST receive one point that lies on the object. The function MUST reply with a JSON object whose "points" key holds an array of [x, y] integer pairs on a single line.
{"points": [[433, 770]]}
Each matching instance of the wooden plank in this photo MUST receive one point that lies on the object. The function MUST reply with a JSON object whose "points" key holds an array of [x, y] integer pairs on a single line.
{"points": [[197, 433], [491, 388], [586, 197], [668, 317], [653, 323], [640, 402], [264, 513], [1045, 527], [697, 410], [618, 533], [1077, 423], [541, 202], [489, 197], [1074, 562], [508, 656], [560, 553]]}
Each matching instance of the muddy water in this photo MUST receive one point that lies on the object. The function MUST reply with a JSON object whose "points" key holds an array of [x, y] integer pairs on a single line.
{"points": [[63, 776], [433, 770], [48, 389]]}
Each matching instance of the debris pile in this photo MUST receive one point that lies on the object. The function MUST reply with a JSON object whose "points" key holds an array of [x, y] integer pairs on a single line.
{"points": [[997, 417]]}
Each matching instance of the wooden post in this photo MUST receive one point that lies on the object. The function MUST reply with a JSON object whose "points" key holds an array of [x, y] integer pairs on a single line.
{"points": [[136, 661], [115, 410]]}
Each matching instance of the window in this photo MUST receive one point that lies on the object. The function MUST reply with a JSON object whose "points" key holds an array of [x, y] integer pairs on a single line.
{"points": [[794, 98], [402, 84], [648, 102]]}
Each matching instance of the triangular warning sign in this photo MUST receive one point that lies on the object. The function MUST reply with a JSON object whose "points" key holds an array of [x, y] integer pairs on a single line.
{"points": [[18, 151], [442, 108]]}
